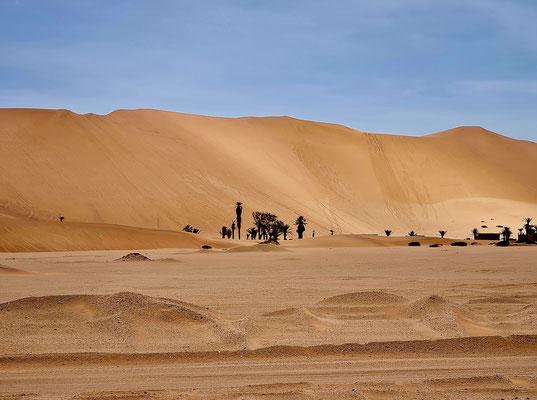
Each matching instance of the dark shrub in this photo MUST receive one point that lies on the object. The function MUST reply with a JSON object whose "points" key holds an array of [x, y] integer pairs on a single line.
{"points": [[206, 246], [459, 244], [414, 244], [503, 243], [434, 245]]}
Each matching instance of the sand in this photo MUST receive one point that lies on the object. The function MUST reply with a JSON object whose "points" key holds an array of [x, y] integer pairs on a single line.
{"points": [[18, 235], [115, 302], [156, 169], [323, 323]]}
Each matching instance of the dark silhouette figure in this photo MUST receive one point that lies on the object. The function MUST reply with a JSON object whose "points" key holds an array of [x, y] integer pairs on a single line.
{"points": [[233, 229], [228, 233], [301, 226], [388, 232], [442, 233], [313, 234], [247, 236], [238, 211], [411, 233], [224, 232], [61, 219], [331, 232], [475, 232]]}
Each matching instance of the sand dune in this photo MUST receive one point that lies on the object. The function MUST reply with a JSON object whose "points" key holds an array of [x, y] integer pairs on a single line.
{"points": [[5, 270], [120, 322], [446, 318], [258, 248], [154, 169], [25, 235], [364, 298], [126, 322]]}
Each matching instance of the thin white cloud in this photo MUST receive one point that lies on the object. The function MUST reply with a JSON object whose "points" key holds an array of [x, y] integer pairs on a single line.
{"points": [[528, 86]]}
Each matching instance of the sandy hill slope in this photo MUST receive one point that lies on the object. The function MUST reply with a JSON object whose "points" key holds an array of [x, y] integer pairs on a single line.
{"points": [[17, 235], [151, 169]]}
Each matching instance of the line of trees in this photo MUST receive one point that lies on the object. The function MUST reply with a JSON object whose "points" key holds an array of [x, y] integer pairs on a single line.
{"points": [[266, 226]]}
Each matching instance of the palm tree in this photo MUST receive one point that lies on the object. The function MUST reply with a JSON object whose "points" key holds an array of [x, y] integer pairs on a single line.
{"points": [[528, 226], [442, 233], [263, 221], [388, 232], [506, 233], [284, 228], [252, 232], [475, 232], [300, 223], [238, 212], [257, 216], [233, 229]]}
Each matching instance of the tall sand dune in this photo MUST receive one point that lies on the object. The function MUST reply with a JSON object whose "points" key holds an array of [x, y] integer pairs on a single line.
{"points": [[150, 169]]}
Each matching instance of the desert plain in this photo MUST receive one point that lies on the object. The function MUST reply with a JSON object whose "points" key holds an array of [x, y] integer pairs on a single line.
{"points": [[349, 314], [290, 322]]}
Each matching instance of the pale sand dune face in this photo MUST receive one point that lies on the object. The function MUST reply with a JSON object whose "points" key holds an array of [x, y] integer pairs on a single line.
{"points": [[160, 169]]}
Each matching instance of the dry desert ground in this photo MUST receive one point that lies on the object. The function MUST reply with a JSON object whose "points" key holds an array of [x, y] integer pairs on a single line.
{"points": [[273, 322]]}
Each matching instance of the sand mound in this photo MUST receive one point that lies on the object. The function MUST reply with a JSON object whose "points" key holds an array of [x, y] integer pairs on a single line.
{"points": [[5, 270], [258, 248], [134, 257], [119, 322], [373, 297], [300, 316], [448, 319]]}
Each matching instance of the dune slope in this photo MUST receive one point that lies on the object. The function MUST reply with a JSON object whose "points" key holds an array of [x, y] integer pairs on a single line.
{"points": [[151, 169]]}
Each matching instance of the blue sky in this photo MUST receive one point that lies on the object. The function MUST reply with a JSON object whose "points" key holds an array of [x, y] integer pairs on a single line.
{"points": [[393, 66]]}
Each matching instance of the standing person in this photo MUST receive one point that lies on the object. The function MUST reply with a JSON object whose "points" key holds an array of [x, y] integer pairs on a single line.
{"points": [[233, 229], [313, 234], [238, 211]]}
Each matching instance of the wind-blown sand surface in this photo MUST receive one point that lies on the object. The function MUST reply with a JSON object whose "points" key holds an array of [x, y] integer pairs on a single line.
{"points": [[323, 323]]}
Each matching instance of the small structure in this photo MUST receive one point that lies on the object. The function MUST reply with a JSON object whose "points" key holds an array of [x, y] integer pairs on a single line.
{"points": [[487, 236], [523, 238]]}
